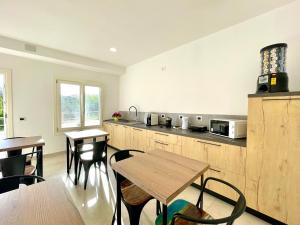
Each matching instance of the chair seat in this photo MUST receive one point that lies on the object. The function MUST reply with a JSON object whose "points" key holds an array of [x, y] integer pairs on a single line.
{"points": [[132, 194], [186, 208], [85, 147], [29, 170], [88, 156]]}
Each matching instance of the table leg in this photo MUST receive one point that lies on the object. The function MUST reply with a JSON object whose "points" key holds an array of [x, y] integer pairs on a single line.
{"points": [[39, 156], [201, 184], [118, 201], [76, 159], [105, 152], [68, 155], [158, 209], [165, 214], [94, 139]]}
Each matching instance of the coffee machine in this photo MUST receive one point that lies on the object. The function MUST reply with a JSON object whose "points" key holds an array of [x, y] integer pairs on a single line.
{"points": [[273, 76]]}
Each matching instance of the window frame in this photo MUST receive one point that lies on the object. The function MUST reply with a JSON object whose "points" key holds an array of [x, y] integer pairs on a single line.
{"points": [[82, 105]]}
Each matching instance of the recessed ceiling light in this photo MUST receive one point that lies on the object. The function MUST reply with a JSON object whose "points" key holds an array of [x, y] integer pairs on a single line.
{"points": [[112, 49]]}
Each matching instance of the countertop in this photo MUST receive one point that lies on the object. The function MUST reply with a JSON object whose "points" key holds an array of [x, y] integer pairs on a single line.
{"points": [[276, 94], [187, 133]]}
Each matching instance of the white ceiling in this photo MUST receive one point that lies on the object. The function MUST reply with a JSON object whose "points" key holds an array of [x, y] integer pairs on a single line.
{"points": [[139, 29]]}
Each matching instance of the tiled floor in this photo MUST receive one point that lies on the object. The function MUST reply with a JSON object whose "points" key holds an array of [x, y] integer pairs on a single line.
{"points": [[96, 204]]}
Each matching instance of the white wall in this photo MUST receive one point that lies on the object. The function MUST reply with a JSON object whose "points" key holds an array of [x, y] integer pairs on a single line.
{"points": [[33, 84], [213, 74]]}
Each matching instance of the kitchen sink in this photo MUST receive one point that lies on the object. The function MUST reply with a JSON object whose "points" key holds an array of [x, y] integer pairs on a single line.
{"points": [[129, 122]]}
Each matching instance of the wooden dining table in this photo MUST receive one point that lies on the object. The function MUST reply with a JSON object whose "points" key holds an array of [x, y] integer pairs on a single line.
{"points": [[78, 137], [26, 142], [44, 203], [161, 174]]}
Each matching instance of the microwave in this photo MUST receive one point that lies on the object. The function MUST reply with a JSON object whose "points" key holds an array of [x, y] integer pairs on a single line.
{"points": [[229, 128]]}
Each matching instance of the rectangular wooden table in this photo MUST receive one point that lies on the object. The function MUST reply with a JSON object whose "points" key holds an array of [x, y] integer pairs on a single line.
{"points": [[161, 174], [26, 142], [78, 137], [45, 203]]}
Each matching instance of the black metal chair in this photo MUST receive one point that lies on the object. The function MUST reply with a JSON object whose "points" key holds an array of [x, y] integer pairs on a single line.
{"points": [[18, 152], [91, 154], [132, 196], [182, 212], [85, 147], [12, 166], [16, 165], [13, 182]]}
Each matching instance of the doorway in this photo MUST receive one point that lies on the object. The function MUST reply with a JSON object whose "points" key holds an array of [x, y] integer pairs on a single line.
{"points": [[6, 129]]}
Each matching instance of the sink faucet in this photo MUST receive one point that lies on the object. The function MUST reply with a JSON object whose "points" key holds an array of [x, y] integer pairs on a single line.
{"points": [[136, 112]]}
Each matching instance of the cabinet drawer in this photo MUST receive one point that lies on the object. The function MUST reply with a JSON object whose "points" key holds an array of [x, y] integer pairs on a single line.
{"points": [[159, 145], [166, 138]]}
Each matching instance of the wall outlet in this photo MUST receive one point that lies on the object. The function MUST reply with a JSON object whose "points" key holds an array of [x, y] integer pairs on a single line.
{"points": [[199, 118], [162, 115], [180, 116]]}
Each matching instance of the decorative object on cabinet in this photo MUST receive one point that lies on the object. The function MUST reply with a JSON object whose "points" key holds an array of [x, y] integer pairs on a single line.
{"points": [[273, 76], [116, 116]]}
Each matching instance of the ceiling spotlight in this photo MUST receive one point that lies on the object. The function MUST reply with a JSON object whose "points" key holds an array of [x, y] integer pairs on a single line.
{"points": [[112, 49]]}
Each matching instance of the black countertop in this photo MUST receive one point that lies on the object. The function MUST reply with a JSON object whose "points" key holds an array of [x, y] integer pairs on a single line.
{"points": [[187, 133], [276, 94]]}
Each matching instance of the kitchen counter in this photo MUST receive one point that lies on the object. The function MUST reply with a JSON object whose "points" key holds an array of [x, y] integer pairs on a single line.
{"points": [[276, 94], [187, 133]]}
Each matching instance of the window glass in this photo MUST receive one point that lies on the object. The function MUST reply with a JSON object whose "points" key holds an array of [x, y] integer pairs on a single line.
{"points": [[70, 105], [92, 105]]}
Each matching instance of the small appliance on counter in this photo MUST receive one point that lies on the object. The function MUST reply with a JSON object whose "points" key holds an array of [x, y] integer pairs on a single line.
{"points": [[198, 128], [151, 119], [229, 128], [168, 122], [273, 76], [185, 123]]}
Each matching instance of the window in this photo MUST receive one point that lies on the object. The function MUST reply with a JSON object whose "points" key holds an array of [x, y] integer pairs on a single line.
{"points": [[79, 105]]}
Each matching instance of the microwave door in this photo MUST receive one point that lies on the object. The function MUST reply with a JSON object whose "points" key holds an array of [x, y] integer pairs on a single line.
{"points": [[224, 129]]}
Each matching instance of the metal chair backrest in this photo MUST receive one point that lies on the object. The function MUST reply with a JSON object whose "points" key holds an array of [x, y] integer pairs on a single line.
{"points": [[13, 165], [98, 150], [238, 209], [121, 155], [13, 182]]}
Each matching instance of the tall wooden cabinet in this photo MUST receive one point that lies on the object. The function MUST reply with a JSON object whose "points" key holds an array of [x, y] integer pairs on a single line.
{"points": [[273, 157]]}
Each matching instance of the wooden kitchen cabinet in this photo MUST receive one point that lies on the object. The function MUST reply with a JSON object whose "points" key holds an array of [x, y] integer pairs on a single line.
{"points": [[273, 153], [293, 184], [164, 141], [109, 129], [127, 137], [215, 155], [119, 136], [194, 149], [139, 140], [235, 159]]}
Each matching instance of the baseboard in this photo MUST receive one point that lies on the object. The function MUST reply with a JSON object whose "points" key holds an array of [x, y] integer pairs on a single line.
{"points": [[251, 211]]}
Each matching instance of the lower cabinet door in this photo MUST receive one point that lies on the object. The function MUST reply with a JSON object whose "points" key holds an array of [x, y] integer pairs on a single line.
{"points": [[127, 137], [139, 139], [235, 179], [108, 128]]}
